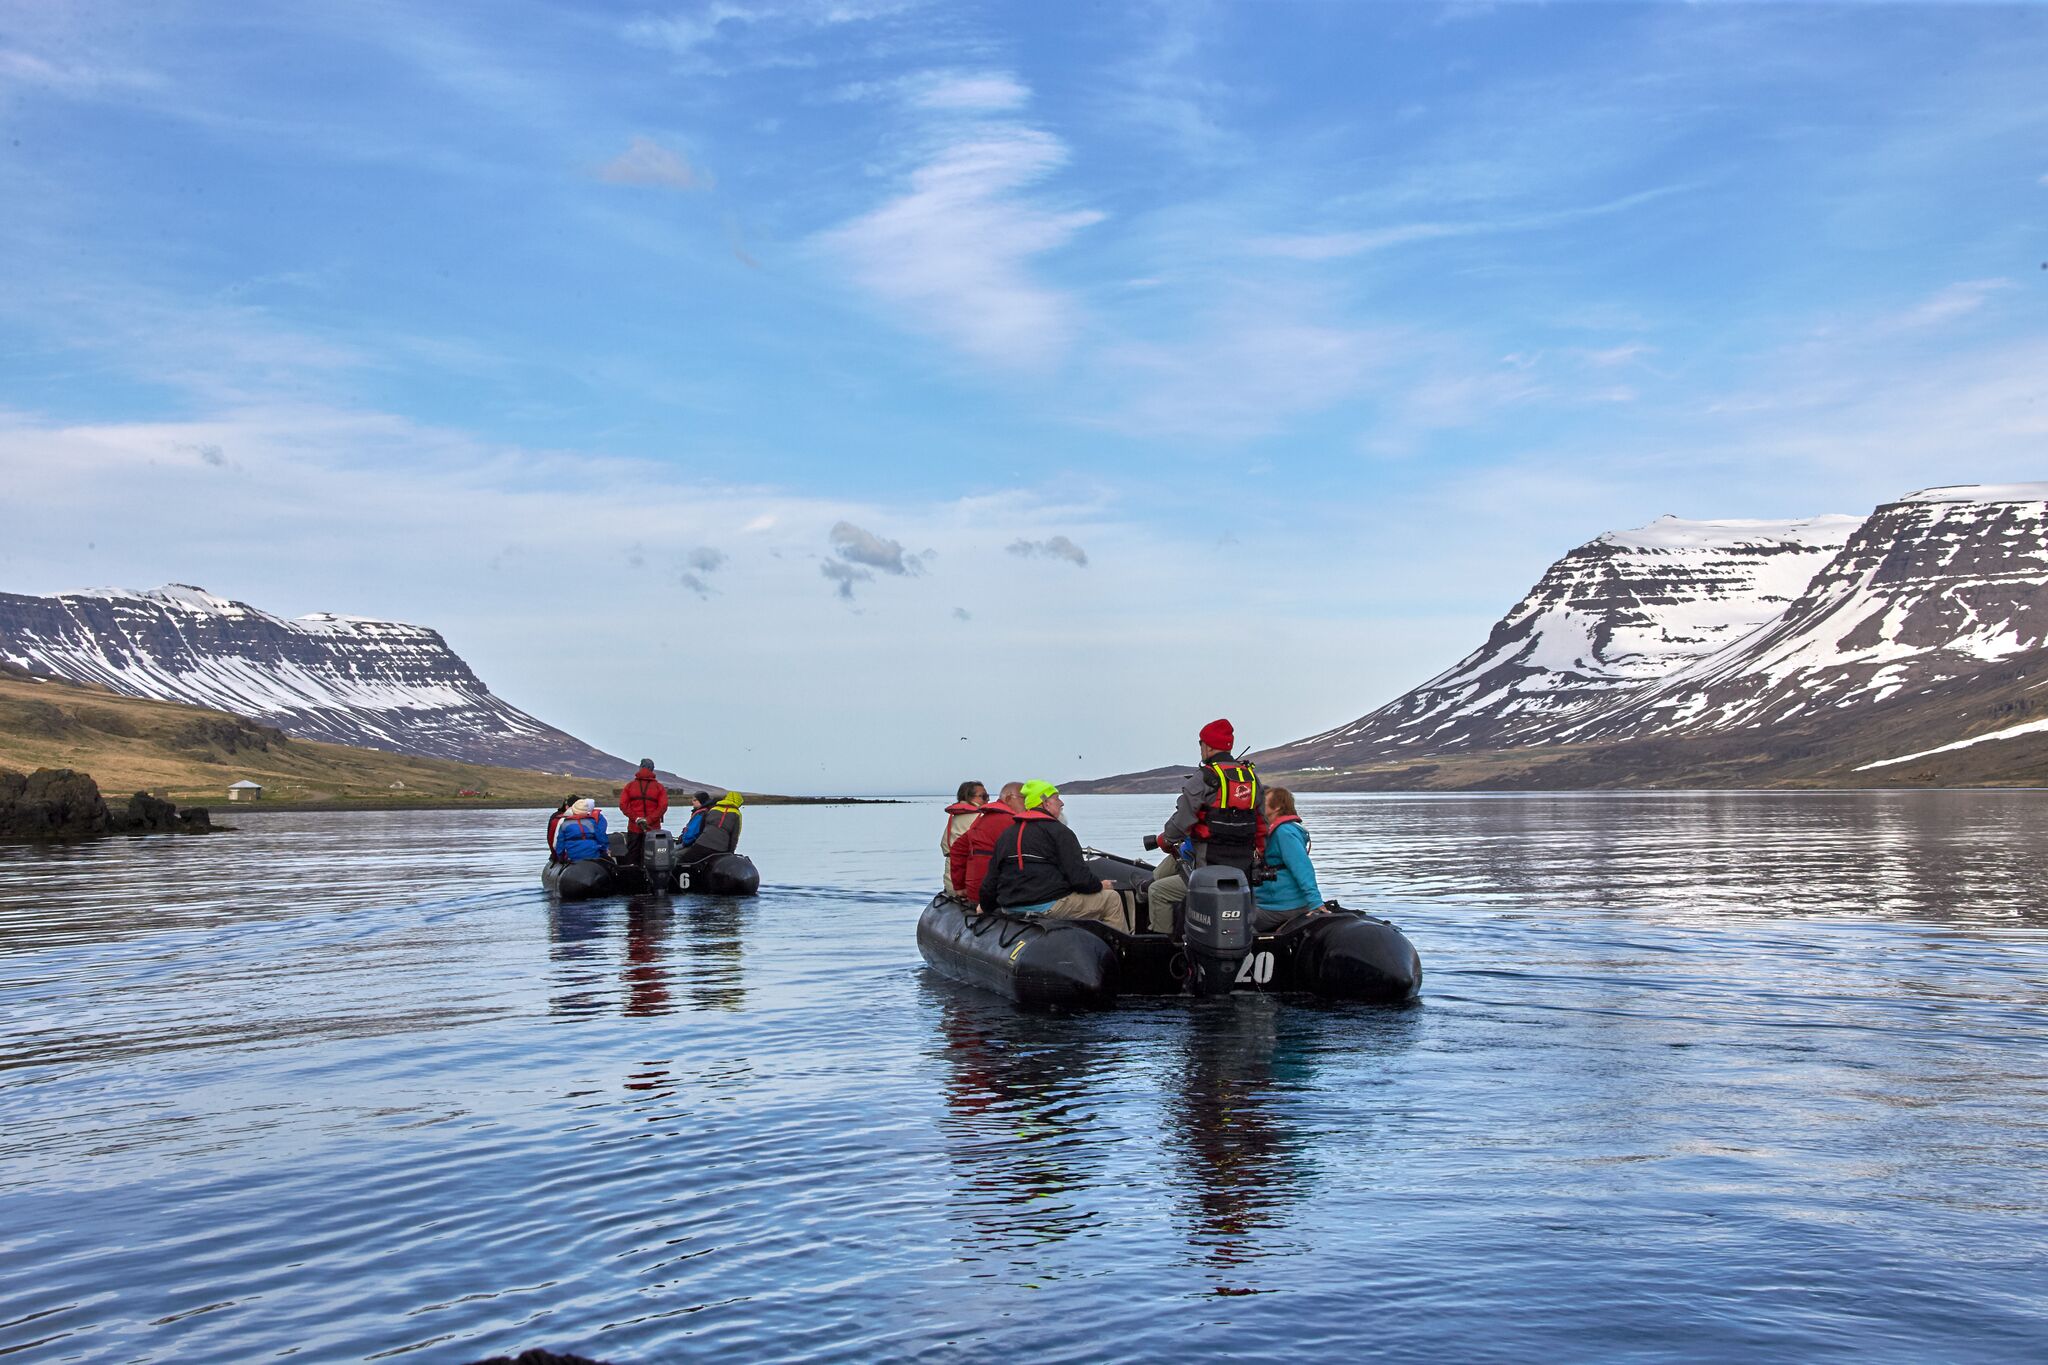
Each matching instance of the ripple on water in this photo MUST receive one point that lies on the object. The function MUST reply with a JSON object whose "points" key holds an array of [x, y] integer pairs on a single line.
{"points": [[1695, 1076]]}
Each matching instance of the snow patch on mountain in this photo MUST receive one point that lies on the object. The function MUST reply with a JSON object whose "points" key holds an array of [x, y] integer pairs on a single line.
{"points": [[350, 679], [2032, 727], [1929, 589], [1614, 616]]}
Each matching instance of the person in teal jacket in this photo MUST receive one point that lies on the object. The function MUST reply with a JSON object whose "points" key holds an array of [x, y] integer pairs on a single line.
{"points": [[1290, 886]]}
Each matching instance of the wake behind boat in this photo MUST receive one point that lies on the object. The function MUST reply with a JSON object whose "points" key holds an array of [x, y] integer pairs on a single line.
{"points": [[1328, 951]]}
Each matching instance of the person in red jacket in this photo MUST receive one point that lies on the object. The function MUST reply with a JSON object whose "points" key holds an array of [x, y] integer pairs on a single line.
{"points": [[968, 803], [967, 862], [643, 801]]}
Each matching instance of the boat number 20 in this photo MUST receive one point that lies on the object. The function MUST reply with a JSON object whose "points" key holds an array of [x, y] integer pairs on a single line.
{"points": [[1257, 968]]}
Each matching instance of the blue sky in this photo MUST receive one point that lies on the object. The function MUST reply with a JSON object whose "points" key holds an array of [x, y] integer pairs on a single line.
{"points": [[695, 368]]}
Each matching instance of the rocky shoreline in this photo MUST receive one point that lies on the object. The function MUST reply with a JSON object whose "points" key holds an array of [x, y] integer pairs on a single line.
{"points": [[58, 803]]}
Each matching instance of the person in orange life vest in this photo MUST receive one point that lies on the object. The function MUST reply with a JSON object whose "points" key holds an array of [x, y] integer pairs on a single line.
{"points": [[643, 802], [968, 802], [968, 863], [1217, 814], [1290, 883], [1038, 868]]}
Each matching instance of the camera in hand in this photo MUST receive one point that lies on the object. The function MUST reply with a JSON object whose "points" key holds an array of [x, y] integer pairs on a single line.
{"points": [[1151, 843]]}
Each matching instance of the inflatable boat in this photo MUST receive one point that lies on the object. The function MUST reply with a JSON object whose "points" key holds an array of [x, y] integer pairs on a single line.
{"points": [[1328, 951], [665, 867]]}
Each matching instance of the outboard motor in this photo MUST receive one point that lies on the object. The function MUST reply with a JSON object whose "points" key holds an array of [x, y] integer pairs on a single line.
{"points": [[658, 858], [1219, 927]]}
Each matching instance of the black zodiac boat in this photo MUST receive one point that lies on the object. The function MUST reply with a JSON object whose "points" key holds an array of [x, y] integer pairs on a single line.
{"points": [[665, 867], [1332, 952]]}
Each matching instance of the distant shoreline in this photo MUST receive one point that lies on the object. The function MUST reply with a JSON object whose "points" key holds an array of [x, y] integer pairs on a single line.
{"points": [[506, 803]]}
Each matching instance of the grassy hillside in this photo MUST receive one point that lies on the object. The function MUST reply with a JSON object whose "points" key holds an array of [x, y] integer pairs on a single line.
{"points": [[191, 755]]}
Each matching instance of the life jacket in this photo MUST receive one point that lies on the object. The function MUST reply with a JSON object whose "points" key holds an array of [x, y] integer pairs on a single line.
{"points": [[636, 801], [1227, 825], [720, 832], [583, 826], [1266, 831], [1023, 816]]}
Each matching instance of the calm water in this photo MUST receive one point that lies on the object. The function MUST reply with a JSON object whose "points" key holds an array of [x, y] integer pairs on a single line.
{"points": [[1694, 1077]]}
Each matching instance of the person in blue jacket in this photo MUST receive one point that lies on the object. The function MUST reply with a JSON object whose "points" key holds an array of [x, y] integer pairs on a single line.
{"points": [[581, 835], [699, 803], [1290, 884]]}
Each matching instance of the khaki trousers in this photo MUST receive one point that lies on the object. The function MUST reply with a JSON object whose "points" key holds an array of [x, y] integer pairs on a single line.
{"points": [[1104, 906], [1168, 888]]}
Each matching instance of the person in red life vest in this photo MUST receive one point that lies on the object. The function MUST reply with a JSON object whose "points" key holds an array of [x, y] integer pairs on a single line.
{"points": [[1038, 868], [581, 835], [642, 801], [967, 864], [1217, 816], [1290, 882], [968, 802]]}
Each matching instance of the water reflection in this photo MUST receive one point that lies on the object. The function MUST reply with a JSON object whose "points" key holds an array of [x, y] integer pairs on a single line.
{"points": [[1948, 856], [649, 920], [269, 1095], [1236, 1159], [652, 980], [1019, 1124], [716, 930]]}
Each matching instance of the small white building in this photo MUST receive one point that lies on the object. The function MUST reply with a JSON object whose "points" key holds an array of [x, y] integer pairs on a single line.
{"points": [[245, 790]]}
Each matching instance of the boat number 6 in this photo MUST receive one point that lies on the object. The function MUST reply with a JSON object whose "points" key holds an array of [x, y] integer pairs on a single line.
{"points": [[1256, 968]]}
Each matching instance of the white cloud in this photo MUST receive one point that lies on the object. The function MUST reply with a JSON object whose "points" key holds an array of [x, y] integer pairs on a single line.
{"points": [[20, 68], [976, 92], [687, 30], [1946, 305], [499, 557], [1330, 246], [647, 162], [953, 253]]}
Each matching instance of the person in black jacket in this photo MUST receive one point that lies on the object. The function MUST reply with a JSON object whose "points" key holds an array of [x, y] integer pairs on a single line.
{"points": [[1037, 868]]}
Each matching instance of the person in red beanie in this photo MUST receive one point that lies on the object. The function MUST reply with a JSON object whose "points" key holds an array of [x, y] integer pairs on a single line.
{"points": [[643, 801], [1217, 817]]}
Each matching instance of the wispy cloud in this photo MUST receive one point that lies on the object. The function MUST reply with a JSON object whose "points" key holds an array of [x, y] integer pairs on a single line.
{"points": [[18, 67], [1330, 246], [953, 253], [691, 30], [647, 162], [981, 92]]}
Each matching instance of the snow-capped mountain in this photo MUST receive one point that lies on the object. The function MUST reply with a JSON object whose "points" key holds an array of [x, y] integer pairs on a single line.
{"points": [[1928, 591], [347, 679], [1910, 646], [1610, 619]]}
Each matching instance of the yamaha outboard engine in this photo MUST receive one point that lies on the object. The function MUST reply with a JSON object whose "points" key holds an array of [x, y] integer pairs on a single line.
{"points": [[658, 858], [1220, 927]]}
